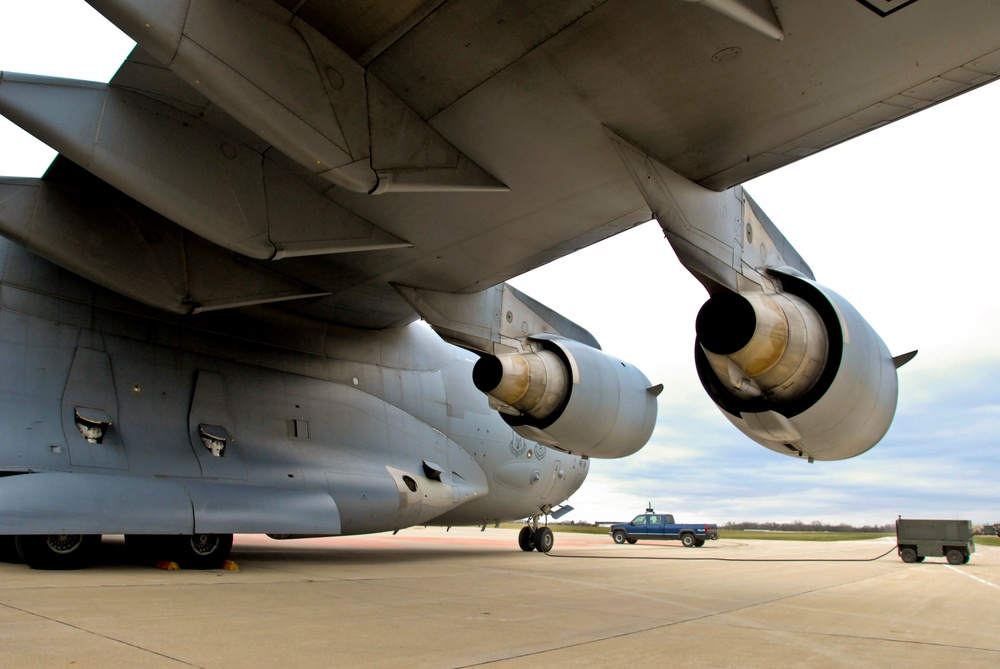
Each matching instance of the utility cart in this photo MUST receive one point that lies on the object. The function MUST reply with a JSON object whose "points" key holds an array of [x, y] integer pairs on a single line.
{"points": [[917, 539]]}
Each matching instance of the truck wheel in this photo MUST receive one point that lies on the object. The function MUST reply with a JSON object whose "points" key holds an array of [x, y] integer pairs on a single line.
{"points": [[955, 556], [619, 536], [907, 555], [544, 539], [687, 540], [698, 543], [632, 541], [526, 539]]}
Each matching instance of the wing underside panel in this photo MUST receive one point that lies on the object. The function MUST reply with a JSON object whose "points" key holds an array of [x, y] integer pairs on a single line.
{"points": [[340, 148]]}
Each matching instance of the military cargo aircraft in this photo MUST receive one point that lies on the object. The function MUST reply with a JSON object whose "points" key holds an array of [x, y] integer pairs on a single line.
{"points": [[211, 302]]}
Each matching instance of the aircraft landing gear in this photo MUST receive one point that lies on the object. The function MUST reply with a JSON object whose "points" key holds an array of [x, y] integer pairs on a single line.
{"points": [[526, 539], [203, 551], [57, 551], [189, 551], [544, 540], [532, 537]]}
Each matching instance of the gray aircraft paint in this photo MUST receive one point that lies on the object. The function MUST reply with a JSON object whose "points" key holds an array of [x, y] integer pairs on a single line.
{"points": [[320, 438]]}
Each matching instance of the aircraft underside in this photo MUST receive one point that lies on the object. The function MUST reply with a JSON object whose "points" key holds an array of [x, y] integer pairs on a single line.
{"points": [[208, 300], [121, 423]]}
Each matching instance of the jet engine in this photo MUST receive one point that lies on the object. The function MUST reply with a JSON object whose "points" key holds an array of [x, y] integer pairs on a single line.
{"points": [[571, 396], [798, 371]]}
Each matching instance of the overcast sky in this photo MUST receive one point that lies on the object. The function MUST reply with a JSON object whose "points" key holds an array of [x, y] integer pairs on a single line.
{"points": [[904, 222]]}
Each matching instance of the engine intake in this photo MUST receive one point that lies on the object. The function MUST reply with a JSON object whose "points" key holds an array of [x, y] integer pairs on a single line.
{"points": [[798, 371], [763, 345], [572, 397], [535, 384]]}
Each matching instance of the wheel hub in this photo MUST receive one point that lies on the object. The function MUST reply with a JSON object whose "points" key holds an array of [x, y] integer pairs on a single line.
{"points": [[64, 543]]}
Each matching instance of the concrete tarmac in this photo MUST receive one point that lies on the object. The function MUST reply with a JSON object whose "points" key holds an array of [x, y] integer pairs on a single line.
{"points": [[465, 598]]}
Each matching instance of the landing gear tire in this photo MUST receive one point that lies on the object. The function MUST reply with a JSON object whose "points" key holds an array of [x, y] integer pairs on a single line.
{"points": [[955, 556], [544, 539], [201, 551], [57, 551], [619, 536], [687, 540], [526, 539], [8, 549]]}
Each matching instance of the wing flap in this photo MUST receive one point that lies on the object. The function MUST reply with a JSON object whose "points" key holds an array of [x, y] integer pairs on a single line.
{"points": [[89, 228], [186, 169]]}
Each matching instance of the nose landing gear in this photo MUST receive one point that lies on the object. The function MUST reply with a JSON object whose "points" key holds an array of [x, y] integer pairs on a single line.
{"points": [[532, 537]]}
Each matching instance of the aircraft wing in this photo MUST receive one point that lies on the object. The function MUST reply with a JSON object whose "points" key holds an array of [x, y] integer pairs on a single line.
{"points": [[316, 154]]}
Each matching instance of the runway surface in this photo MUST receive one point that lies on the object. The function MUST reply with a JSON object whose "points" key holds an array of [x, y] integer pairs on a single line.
{"points": [[465, 598]]}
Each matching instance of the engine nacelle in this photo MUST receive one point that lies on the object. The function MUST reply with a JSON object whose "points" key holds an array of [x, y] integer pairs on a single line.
{"points": [[800, 371], [572, 397]]}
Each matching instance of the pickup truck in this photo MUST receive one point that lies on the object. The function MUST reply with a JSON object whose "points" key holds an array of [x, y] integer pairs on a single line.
{"points": [[652, 525]]}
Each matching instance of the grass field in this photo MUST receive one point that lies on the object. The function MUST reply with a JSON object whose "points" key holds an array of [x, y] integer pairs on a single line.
{"points": [[801, 536]]}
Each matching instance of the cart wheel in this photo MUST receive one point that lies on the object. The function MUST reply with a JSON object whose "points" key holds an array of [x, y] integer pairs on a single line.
{"points": [[908, 555], [955, 556]]}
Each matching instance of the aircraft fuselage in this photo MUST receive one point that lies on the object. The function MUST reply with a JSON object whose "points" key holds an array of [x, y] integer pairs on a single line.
{"points": [[116, 418]]}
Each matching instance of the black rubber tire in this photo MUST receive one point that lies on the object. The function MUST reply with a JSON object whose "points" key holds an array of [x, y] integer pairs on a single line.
{"points": [[698, 543], [632, 541], [955, 556], [201, 551], [544, 540], [687, 540], [57, 551], [526, 539], [966, 560], [908, 555], [619, 536], [8, 549]]}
